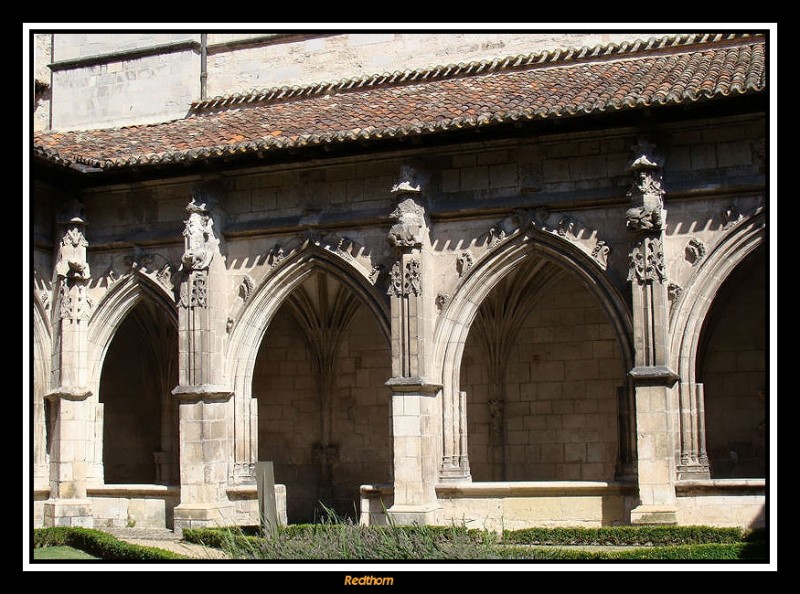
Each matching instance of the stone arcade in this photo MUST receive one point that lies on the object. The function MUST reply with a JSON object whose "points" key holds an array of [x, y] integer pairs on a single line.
{"points": [[524, 289]]}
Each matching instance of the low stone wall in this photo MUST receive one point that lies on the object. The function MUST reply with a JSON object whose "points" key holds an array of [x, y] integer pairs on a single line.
{"points": [[722, 502], [39, 497], [497, 506], [245, 502], [513, 506], [375, 500], [127, 506]]}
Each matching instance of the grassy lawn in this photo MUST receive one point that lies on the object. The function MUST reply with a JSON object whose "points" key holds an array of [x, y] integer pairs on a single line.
{"points": [[61, 553]]}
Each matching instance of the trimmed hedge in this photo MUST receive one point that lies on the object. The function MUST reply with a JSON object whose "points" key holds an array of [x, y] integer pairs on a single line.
{"points": [[695, 552], [100, 544], [624, 535], [220, 538]]}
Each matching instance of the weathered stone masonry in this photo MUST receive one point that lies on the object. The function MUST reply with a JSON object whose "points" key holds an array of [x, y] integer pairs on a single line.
{"points": [[535, 329]]}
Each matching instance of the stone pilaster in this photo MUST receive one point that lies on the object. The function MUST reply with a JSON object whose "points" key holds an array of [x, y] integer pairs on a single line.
{"points": [[70, 410], [415, 416], [694, 457], [651, 376], [206, 405]]}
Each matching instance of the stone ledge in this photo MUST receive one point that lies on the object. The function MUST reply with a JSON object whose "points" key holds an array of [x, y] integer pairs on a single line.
{"points": [[376, 490], [721, 487], [653, 374], [203, 392], [68, 393], [240, 492], [414, 385], [533, 488], [134, 490]]}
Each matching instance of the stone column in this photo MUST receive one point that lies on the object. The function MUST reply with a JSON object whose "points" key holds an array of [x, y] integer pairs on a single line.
{"points": [[70, 410], [206, 406], [651, 377], [694, 458], [416, 414]]}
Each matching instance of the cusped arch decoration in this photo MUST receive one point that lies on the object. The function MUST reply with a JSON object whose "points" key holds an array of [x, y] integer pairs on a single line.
{"points": [[687, 319], [247, 333], [455, 321], [696, 299]]}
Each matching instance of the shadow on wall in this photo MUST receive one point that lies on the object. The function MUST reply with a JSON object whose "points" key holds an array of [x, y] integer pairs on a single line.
{"points": [[760, 520]]}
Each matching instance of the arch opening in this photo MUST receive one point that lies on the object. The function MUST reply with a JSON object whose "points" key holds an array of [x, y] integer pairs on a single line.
{"points": [[324, 414], [140, 417], [543, 372], [732, 366]]}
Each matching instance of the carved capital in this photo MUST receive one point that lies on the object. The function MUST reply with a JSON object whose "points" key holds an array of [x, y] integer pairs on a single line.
{"points": [[74, 302], [413, 278], [408, 283], [395, 281], [647, 262], [194, 291]]}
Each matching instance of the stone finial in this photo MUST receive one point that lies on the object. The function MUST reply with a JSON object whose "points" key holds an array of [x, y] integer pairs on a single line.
{"points": [[646, 193], [410, 228], [199, 240], [408, 182]]}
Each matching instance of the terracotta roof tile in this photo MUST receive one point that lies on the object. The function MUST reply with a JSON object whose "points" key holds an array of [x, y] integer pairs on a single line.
{"points": [[673, 70]]}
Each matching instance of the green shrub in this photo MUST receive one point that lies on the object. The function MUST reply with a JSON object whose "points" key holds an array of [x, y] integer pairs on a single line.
{"points": [[345, 540], [99, 544], [624, 535]]}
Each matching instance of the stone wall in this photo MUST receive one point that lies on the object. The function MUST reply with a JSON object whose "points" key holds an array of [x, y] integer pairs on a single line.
{"points": [[560, 408], [290, 415], [110, 89], [564, 368], [734, 376]]}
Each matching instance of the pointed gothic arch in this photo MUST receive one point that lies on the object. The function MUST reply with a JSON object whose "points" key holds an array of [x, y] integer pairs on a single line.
{"points": [[114, 309], [456, 320], [41, 351], [268, 295], [687, 323]]}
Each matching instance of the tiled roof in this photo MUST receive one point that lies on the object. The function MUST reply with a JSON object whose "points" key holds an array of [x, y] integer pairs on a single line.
{"points": [[549, 85]]}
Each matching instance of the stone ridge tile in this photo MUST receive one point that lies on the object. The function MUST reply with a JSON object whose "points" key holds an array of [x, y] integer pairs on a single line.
{"points": [[420, 108]]}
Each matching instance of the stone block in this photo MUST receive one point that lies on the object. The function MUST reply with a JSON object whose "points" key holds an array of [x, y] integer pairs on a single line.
{"points": [[574, 452]]}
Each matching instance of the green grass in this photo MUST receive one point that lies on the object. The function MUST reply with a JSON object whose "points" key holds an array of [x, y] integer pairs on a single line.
{"points": [[60, 553], [98, 544]]}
